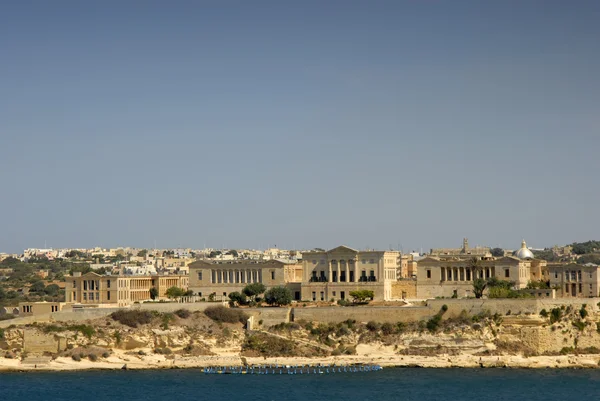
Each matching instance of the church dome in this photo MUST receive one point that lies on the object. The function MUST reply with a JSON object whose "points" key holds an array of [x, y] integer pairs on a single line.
{"points": [[524, 253]]}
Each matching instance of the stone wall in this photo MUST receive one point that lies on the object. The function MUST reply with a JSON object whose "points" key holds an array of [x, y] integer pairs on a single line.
{"points": [[404, 287], [390, 314], [37, 342]]}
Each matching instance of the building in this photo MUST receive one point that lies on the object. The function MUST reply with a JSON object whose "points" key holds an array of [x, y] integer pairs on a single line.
{"points": [[466, 250], [452, 274], [224, 277], [335, 273], [42, 308], [573, 280], [94, 289]]}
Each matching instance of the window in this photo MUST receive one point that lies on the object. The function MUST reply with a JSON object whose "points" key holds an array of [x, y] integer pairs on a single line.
{"points": [[580, 289], [429, 274], [108, 295], [200, 276], [84, 285], [371, 261], [85, 295], [333, 293], [314, 262], [107, 283], [506, 273], [224, 293], [272, 275], [74, 284], [97, 296], [322, 296], [314, 296], [555, 274], [590, 275]]}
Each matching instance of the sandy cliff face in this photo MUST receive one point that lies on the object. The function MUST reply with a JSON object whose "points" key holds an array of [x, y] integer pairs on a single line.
{"points": [[196, 340]]}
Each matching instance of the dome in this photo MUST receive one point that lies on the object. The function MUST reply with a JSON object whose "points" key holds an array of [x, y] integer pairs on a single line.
{"points": [[524, 253]]}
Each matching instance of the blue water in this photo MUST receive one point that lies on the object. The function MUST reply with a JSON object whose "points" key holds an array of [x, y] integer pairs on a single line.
{"points": [[389, 384]]}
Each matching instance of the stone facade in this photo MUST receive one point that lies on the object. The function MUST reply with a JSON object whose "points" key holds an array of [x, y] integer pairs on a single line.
{"points": [[225, 277], [573, 280], [94, 289], [448, 276], [335, 273]]}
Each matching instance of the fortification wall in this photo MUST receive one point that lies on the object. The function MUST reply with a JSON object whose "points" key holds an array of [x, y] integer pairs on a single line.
{"points": [[269, 316], [404, 289], [36, 342], [390, 314]]}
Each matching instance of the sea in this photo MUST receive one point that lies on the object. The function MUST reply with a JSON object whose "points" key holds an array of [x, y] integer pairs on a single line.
{"points": [[406, 384]]}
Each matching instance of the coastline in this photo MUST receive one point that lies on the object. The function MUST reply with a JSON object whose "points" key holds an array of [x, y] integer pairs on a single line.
{"points": [[117, 361]]}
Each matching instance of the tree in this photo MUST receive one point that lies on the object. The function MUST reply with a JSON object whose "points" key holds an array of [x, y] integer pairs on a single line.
{"points": [[497, 252], [142, 253], [153, 293], [253, 290], [38, 286], [361, 295], [52, 290], [278, 296], [479, 286], [10, 261], [233, 252], [237, 298], [213, 254], [175, 292]]}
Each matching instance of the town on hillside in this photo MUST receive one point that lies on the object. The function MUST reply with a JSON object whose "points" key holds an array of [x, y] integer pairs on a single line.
{"points": [[42, 281]]}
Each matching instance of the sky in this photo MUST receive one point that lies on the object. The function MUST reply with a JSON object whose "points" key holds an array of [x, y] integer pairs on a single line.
{"points": [[299, 124]]}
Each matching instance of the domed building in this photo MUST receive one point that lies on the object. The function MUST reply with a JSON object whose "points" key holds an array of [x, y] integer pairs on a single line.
{"points": [[524, 253]]}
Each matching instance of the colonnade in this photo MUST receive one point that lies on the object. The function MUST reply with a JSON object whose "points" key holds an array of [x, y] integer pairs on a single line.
{"points": [[235, 276], [465, 273]]}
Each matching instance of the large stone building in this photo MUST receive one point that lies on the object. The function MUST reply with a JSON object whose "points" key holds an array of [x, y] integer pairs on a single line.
{"points": [[335, 273], [452, 274], [94, 289], [224, 277], [573, 280]]}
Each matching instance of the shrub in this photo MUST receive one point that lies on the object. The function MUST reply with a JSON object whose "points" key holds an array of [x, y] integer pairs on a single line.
{"points": [[387, 328], [175, 292], [579, 325], [544, 313], [163, 351], [555, 315], [583, 312], [132, 318], [373, 326], [183, 313], [76, 357], [166, 319], [225, 315], [93, 357], [105, 354], [343, 302], [362, 295], [444, 308], [1, 334], [433, 324]]}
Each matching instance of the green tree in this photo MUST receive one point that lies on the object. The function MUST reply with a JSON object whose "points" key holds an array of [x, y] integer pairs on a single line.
{"points": [[52, 290], [237, 298], [10, 261], [175, 292], [362, 295], [497, 252], [142, 253], [479, 286], [153, 293], [278, 296], [253, 290], [233, 252], [37, 287]]}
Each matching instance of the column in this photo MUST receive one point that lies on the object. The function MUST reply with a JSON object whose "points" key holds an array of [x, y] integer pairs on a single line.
{"points": [[442, 273], [348, 271], [330, 269], [339, 269], [356, 271]]}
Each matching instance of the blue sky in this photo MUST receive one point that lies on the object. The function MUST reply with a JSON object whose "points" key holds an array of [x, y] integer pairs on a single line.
{"points": [[299, 124]]}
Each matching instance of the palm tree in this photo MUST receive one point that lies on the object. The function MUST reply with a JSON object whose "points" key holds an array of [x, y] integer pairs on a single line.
{"points": [[479, 283]]}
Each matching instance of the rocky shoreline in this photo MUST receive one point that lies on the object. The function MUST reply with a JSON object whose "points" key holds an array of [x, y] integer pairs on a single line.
{"points": [[120, 361]]}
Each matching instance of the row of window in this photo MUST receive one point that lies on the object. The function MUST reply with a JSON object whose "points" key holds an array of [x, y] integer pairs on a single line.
{"points": [[334, 262]]}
